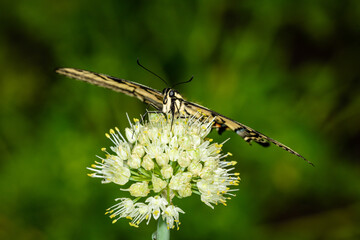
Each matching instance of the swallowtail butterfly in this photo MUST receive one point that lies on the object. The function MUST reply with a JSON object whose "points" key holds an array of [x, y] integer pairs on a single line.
{"points": [[170, 101]]}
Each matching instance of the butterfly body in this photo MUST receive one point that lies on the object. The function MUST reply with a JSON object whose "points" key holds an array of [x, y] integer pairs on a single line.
{"points": [[170, 101]]}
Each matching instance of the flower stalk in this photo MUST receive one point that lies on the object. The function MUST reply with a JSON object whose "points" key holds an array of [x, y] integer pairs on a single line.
{"points": [[162, 231]]}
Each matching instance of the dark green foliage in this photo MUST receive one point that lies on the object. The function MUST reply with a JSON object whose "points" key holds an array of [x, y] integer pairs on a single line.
{"points": [[289, 69]]}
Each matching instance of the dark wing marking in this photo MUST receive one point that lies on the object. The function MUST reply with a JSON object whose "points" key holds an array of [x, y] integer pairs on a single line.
{"points": [[144, 93], [248, 134]]}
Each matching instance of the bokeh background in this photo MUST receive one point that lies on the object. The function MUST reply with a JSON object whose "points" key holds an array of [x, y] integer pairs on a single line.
{"points": [[289, 69]]}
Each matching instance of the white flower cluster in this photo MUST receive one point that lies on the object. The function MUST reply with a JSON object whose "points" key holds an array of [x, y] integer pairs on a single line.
{"points": [[163, 159]]}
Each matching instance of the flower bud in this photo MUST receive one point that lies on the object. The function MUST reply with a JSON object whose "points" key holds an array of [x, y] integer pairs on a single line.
{"points": [[185, 191], [162, 159], [195, 168], [147, 163], [138, 150], [184, 160], [167, 171], [130, 135], [134, 161], [139, 189], [158, 184]]}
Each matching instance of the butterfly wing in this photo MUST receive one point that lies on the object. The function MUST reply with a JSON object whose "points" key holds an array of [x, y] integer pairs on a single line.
{"points": [[155, 99], [223, 123], [143, 93]]}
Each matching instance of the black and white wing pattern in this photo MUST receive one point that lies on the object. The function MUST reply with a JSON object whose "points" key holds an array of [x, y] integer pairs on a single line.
{"points": [[142, 92]]}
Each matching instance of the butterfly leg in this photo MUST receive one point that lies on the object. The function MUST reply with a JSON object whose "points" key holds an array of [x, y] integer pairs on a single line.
{"points": [[172, 110], [147, 112], [172, 120], [144, 115]]}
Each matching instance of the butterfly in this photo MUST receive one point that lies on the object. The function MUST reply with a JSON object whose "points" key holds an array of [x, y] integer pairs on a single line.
{"points": [[170, 101]]}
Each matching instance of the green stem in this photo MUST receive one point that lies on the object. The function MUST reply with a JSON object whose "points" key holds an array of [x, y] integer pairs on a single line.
{"points": [[162, 232]]}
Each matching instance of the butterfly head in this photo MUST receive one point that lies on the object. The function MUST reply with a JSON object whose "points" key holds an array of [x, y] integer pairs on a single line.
{"points": [[172, 101]]}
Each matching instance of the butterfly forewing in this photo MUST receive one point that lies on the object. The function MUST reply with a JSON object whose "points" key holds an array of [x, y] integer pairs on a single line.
{"points": [[223, 123], [142, 92]]}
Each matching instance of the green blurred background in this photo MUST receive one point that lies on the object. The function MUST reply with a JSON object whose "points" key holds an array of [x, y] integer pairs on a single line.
{"points": [[289, 69]]}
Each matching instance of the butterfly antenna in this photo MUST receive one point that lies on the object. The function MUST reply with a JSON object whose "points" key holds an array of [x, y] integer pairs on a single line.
{"points": [[137, 60], [183, 82]]}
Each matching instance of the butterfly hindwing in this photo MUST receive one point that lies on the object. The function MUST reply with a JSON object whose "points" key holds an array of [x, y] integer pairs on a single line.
{"points": [[142, 92]]}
